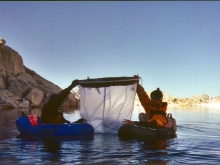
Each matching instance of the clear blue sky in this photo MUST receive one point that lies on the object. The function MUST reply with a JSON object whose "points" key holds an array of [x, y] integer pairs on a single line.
{"points": [[171, 45]]}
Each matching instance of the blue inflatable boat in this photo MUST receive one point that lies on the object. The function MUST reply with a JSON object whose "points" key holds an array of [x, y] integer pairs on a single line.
{"points": [[30, 126]]}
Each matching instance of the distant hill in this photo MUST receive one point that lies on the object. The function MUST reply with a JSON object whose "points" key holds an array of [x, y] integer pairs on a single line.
{"points": [[189, 101]]}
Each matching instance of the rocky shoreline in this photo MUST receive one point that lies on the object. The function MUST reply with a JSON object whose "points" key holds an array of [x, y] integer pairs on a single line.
{"points": [[197, 100], [185, 102], [22, 87]]}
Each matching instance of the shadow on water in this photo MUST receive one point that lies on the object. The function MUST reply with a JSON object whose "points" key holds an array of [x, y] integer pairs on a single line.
{"points": [[153, 151], [52, 146], [156, 149]]}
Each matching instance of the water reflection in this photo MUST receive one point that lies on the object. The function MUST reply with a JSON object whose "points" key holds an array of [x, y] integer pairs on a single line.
{"points": [[153, 149], [155, 145], [156, 162], [52, 146], [7, 123], [198, 141], [157, 148]]}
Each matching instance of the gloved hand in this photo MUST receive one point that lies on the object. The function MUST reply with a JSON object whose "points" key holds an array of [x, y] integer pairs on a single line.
{"points": [[67, 121], [74, 83], [139, 89], [136, 76]]}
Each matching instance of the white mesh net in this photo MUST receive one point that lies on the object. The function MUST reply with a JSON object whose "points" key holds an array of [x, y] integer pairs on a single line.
{"points": [[106, 107]]}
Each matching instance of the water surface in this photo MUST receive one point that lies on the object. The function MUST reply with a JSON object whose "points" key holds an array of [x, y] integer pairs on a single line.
{"points": [[197, 142]]}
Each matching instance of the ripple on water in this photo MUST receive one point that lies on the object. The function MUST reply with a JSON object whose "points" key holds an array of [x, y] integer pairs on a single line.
{"points": [[197, 142]]}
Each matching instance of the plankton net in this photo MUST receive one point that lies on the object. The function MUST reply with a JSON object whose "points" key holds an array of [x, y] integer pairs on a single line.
{"points": [[105, 102]]}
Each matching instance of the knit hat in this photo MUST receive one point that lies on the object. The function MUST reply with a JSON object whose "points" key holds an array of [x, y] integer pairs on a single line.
{"points": [[157, 94]]}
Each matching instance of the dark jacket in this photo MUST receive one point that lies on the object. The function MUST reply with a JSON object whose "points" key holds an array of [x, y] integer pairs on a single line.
{"points": [[50, 110]]}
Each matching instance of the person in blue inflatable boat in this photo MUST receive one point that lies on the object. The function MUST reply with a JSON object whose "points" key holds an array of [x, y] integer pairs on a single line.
{"points": [[155, 109], [50, 111]]}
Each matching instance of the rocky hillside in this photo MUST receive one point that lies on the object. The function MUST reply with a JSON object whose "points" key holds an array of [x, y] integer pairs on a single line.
{"points": [[21, 86]]}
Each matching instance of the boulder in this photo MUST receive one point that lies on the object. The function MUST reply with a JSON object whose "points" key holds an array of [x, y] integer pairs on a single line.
{"points": [[15, 85], [2, 71], [28, 80], [35, 96], [217, 98], [3, 80], [2, 41], [10, 100], [3, 83], [71, 101], [11, 60]]}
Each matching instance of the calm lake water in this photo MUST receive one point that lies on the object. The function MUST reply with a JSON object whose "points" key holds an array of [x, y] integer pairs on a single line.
{"points": [[197, 142]]}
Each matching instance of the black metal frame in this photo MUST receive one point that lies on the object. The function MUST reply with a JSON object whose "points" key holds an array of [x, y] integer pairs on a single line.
{"points": [[109, 81]]}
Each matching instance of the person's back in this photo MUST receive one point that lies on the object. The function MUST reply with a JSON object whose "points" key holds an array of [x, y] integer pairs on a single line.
{"points": [[50, 111]]}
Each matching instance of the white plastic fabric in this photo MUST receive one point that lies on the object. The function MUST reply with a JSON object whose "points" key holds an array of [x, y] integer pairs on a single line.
{"points": [[106, 107]]}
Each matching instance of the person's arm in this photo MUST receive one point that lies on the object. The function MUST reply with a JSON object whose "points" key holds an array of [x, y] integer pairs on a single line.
{"points": [[55, 103], [143, 97], [64, 93]]}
